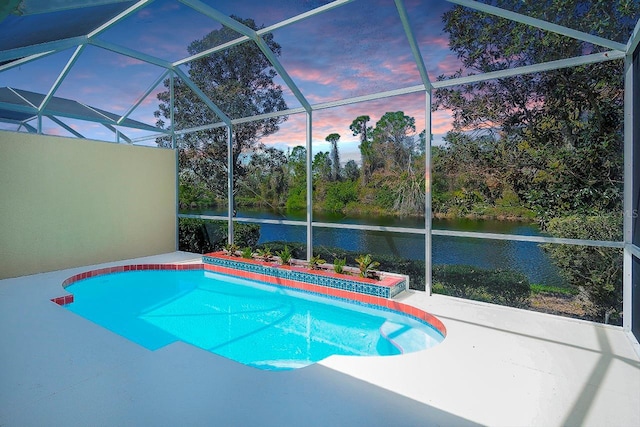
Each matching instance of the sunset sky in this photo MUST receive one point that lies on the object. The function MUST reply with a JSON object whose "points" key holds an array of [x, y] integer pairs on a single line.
{"points": [[349, 51]]}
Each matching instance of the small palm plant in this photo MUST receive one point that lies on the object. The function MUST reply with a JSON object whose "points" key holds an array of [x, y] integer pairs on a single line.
{"points": [[247, 253], [285, 255], [231, 249], [338, 265], [265, 253], [366, 264], [315, 261]]}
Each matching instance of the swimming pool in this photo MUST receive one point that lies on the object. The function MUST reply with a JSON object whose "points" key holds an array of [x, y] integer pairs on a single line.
{"points": [[261, 325]]}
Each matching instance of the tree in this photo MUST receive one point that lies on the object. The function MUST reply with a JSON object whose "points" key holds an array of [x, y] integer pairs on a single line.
{"points": [[359, 127], [297, 194], [351, 170], [393, 135], [335, 157], [322, 166], [558, 132], [297, 161], [394, 141], [240, 81], [266, 181]]}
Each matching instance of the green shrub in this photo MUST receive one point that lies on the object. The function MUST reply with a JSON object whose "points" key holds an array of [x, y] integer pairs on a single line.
{"points": [[244, 234], [202, 236], [297, 199], [247, 253], [595, 272], [284, 255], [339, 194], [265, 253], [193, 236], [338, 265], [366, 264], [502, 287], [315, 262]]}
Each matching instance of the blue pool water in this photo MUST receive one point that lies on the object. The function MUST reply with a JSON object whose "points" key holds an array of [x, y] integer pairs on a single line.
{"points": [[265, 326]]}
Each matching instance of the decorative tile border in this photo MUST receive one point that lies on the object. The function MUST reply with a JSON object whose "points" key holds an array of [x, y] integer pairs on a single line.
{"points": [[68, 299], [134, 267], [352, 296], [388, 287]]}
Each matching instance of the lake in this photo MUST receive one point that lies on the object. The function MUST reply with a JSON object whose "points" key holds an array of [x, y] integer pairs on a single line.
{"points": [[525, 257]]}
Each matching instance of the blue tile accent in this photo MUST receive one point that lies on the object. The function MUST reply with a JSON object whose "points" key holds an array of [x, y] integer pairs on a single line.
{"points": [[315, 279]]}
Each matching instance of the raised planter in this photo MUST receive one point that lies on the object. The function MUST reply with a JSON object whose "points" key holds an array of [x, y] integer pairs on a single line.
{"points": [[388, 286]]}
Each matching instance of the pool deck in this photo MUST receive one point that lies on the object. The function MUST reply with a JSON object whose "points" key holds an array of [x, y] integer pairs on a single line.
{"points": [[497, 366]]}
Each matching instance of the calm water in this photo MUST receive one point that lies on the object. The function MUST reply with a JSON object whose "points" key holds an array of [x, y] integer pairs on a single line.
{"points": [[264, 326], [525, 257]]}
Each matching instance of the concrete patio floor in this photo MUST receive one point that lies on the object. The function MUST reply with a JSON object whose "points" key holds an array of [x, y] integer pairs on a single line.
{"points": [[497, 366]]}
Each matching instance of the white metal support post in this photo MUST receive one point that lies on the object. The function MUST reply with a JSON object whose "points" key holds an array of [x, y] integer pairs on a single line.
{"points": [[427, 197], [630, 176], [174, 147], [309, 188], [627, 278], [230, 209]]}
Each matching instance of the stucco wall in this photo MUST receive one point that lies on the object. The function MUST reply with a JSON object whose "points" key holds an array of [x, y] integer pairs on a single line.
{"points": [[68, 202]]}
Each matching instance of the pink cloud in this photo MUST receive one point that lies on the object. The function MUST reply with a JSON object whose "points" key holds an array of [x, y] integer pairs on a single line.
{"points": [[438, 42], [126, 61]]}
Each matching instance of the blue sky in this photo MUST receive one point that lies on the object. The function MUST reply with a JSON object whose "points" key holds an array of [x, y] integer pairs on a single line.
{"points": [[350, 51]]}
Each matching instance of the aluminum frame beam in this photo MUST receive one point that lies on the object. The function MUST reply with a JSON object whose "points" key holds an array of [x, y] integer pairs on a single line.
{"points": [[63, 74], [413, 43], [107, 121], [143, 96], [632, 44], [143, 57], [202, 96], [53, 46], [435, 232], [65, 126], [627, 199], [24, 60], [122, 15], [309, 170], [117, 133], [428, 241], [230, 195]]}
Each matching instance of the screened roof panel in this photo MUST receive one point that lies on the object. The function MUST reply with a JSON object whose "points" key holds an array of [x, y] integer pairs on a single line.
{"points": [[19, 31], [24, 99], [267, 12], [428, 28], [109, 81], [163, 29], [347, 52], [37, 76]]}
